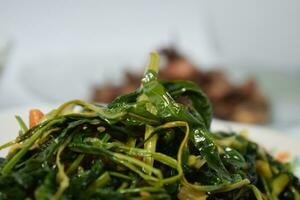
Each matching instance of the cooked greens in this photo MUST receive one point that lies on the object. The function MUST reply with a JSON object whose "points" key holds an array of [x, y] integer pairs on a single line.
{"points": [[154, 143]]}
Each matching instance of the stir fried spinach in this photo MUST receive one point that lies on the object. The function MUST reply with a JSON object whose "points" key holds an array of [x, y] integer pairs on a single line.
{"points": [[154, 143]]}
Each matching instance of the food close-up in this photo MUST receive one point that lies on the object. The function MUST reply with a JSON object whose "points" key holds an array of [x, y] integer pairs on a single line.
{"points": [[149, 100], [241, 103], [143, 145]]}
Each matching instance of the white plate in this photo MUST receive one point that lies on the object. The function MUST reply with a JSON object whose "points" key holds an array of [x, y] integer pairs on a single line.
{"points": [[273, 141]]}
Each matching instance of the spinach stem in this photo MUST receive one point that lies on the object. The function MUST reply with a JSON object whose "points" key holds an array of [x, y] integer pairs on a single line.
{"points": [[22, 124], [25, 147]]}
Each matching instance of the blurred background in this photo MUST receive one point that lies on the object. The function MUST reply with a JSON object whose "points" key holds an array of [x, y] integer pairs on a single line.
{"points": [[243, 54]]}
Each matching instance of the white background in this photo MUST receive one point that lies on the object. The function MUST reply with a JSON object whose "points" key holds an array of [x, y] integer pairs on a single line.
{"points": [[60, 48]]}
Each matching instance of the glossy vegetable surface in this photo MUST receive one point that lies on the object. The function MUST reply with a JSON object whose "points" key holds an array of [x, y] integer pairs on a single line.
{"points": [[154, 143]]}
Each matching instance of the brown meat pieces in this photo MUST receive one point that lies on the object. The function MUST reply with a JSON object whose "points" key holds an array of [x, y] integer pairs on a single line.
{"points": [[241, 103]]}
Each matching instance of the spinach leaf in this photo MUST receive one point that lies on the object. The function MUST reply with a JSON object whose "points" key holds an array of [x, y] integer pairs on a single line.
{"points": [[154, 143], [200, 102]]}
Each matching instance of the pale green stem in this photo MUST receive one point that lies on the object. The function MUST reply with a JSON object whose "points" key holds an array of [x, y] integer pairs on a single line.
{"points": [[61, 176], [75, 164], [256, 192], [25, 147], [22, 124], [150, 145], [101, 181]]}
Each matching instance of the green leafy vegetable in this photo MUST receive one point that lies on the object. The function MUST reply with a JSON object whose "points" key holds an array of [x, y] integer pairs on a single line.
{"points": [[154, 143]]}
